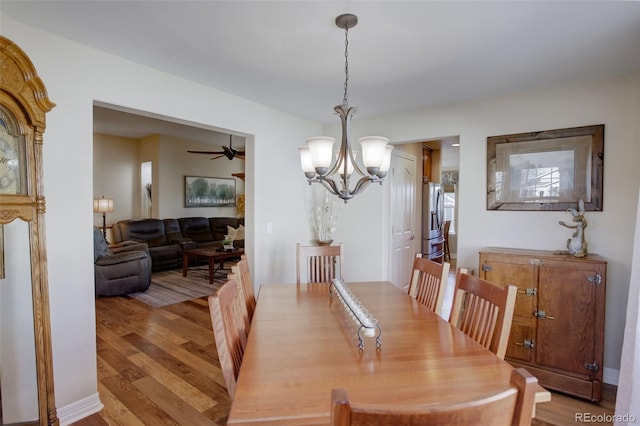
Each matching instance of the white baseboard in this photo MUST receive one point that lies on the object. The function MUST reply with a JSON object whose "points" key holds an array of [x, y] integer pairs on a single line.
{"points": [[610, 376], [79, 410]]}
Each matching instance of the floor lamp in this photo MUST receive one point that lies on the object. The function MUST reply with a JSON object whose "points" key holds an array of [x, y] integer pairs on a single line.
{"points": [[104, 206]]}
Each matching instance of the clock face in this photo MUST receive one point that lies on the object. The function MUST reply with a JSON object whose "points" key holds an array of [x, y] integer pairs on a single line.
{"points": [[9, 166]]}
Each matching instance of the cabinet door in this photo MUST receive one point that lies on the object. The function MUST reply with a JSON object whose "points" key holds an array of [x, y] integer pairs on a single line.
{"points": [[566, 318], [505, 270]]}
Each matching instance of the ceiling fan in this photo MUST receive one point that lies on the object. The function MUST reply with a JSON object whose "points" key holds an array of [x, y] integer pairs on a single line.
{"points": [[230, 152]]}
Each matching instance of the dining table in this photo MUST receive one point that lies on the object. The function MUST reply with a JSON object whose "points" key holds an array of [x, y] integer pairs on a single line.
{"points": [[303, 343]]}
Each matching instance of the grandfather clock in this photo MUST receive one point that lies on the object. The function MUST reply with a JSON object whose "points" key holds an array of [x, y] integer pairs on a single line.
{"points": [[26, 374]]}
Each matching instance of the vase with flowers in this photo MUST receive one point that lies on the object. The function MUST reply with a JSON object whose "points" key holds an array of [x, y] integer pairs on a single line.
{"points": [[324, 216]]}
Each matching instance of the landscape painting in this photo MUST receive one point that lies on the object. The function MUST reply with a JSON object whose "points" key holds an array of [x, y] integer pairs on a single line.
{"points": [[209, 192]]}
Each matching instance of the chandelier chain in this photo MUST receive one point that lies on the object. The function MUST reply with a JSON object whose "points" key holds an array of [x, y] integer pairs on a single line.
{"points": [[345, 100]]}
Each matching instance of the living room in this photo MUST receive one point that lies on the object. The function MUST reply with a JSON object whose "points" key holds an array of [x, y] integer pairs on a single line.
{"points": [[275, 187]]}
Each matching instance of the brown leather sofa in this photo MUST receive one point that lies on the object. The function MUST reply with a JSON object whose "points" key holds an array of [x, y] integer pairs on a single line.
{"points": [[165, 253], [123, 269], [219, 228], [167, 238], [197, 229]]}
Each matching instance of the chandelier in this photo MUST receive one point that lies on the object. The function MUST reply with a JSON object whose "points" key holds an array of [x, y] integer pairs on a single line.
{"points": [[317, 157]]}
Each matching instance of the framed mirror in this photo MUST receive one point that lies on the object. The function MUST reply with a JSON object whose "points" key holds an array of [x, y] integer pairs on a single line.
{"points": [[26, 374], [546, 170]]}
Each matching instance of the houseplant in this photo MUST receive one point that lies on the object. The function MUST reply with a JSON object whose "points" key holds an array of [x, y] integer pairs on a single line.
{"points": [[227, 243]]}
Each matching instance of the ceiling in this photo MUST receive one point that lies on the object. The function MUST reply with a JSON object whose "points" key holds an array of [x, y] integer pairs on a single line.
{"points": [[403, 55]]}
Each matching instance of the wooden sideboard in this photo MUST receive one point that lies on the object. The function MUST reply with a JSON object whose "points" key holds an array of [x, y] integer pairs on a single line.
{"points": [[558, 325]]}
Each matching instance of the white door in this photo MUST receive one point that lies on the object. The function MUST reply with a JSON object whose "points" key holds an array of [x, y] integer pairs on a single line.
{"points": [[402, 180]]}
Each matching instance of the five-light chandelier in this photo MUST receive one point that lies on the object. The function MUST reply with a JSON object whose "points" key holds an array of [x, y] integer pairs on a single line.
{"points": [[316, 158]]}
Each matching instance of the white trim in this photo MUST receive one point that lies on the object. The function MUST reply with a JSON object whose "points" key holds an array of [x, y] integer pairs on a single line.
{"points": [[80, 409], [610, 376]]}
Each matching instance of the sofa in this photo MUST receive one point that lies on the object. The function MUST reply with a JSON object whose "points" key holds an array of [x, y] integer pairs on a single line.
{"points": [[167, 238], [121, 269], [165, 253]]}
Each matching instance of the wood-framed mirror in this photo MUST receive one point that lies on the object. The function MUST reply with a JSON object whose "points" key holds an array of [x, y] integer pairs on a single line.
{"points": [[26, 373]]}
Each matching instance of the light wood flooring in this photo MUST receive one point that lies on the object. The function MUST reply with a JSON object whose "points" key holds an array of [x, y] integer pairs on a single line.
{"points": [[159, 366]]}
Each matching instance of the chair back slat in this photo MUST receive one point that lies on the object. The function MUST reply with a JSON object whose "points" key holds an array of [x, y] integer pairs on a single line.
{"points": [[229, 332], [512, 406], [240, 273], [428, 282], [319, 264], [484, 311]]}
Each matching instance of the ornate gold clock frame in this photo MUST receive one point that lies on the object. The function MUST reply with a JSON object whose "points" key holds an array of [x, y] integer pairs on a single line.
{"points": [[23, 105]]}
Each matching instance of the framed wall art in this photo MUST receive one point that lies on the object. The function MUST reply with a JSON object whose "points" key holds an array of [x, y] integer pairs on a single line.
{"points": [[546, 170], [209, 192]]}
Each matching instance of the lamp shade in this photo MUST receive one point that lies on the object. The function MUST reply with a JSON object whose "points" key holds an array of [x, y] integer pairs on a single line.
{"points": [[386, 162], [321, 150], [103, 205], [373, 150], [305, 160], [349, 163]]}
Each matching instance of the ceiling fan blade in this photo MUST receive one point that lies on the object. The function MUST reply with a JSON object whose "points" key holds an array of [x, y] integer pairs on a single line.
{"points": [[207, 152], [215, 158]]}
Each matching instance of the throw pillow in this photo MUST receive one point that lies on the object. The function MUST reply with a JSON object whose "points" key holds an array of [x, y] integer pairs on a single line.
{"points": [[235, 233]]}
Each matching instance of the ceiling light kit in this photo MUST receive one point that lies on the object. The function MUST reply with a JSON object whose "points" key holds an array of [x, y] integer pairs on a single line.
{"points": [[316, 157]]}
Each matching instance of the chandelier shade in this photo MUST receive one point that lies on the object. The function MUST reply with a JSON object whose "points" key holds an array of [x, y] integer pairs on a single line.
{"points": [[317, 159]]}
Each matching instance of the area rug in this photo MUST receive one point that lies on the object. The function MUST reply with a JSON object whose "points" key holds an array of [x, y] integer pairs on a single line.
{"points": [[169, 287]]}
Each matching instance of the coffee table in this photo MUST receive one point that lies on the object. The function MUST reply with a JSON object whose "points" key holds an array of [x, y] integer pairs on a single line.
{"points": [[212, 255]]}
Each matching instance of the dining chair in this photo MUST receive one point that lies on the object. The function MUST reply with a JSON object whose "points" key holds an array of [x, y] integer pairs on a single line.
{"points": [[229, 332], [428, 282], [445, 233], [241, 274], [322, 263], [513, 406], [484, 310]]}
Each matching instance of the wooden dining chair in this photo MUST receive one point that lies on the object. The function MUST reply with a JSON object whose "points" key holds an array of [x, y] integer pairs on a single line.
{"points": [[484, 310], [445, 233], [322, 263], [428, 282], [240, 272], [229, 332], [511, 407]]}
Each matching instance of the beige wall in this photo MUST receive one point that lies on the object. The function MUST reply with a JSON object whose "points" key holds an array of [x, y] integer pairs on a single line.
{"points": [[116, 174]]}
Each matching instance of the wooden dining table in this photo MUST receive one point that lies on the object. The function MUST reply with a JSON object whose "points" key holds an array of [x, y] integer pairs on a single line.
{"points": [[302, 344]]}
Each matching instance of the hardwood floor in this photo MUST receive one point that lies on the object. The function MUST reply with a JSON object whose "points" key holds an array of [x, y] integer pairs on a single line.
{"points": [[159, 366]]}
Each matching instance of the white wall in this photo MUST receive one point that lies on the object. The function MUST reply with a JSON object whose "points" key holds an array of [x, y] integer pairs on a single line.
{"points": [[75, 77], [613, 102]]}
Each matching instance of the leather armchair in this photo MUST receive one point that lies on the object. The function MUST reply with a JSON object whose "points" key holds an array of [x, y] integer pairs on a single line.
{"points": [[120, 270]]}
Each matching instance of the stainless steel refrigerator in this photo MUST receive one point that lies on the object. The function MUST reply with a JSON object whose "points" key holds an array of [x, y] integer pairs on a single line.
{"points": [[432, 219]]}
